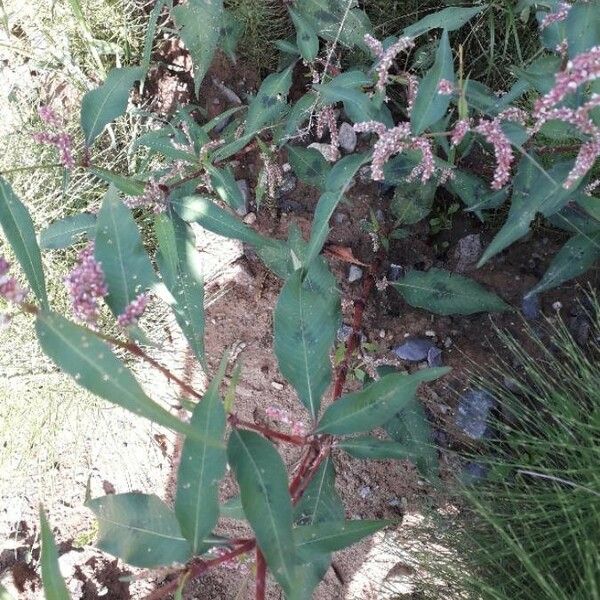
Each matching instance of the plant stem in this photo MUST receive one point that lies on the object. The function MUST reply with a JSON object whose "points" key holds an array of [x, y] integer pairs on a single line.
{"points": [[297, 440], [261, 575]]}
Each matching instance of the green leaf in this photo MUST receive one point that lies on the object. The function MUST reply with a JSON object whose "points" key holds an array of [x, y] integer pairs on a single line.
{"points": [[413, 201], [231, 32], [263, 482], [430, 106], [308, 164], [180, 266], [366, 409], [162, 142], [475, 192], [140, 529], [446, 293], [320, 501], [270, 102], [127, 268], [306, 37], [201, 468], [329, 537], [65, 232], [52, 580], [223, 182], [450, 19], [534, 191], [337, 182], [300, 113], [104, 104], [19, 231], [199, 23], [4, 595], [305, 323], [373, 448], [583, 27], [358, 106], [540, 74], [332, 20], [89, 360], [577, 256], [127, 185]]}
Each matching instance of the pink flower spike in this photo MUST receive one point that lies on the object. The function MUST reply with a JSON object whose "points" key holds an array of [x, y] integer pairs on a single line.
{"points": [[133, 311], [48, 116], [588, 153], [10, 289], [560, 15], [374, 45], [493, 134], [461, 128], [387, 59], [445, 87]]}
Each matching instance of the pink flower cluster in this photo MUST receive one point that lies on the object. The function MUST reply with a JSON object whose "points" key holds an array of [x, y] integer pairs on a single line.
{"points": [[445, 87], [133, 311], [154, 197], [393, 141], [386, 57], [59, 139], [86, 285], [560, 15], [280, 415], [326, 120], [9, 288]]}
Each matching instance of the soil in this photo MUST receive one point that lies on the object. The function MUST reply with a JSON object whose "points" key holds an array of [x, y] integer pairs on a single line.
{"points": [[242, 296]]}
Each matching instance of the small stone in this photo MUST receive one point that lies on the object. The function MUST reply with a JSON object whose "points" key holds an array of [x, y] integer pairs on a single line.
{"points": [[379, 215], [250, 218], [414, 350], [347, 137], [287, 185], [530, 306], [354, 273], [474, 472], [382, 333], [365, 491], [276, 385], [364, 174], [448, 343], [245, 191], [473, 414], [557, 305], [330, 153], [434, 357], [430, 333], [344, 333], [395, 272], [467, 252], [216, 101], [339, 218]]}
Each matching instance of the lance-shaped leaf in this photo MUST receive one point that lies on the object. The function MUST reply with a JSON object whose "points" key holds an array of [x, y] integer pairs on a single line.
{"points": [[300, 113], [320, 501], [223, 182], [450, 18], [232, 30], [430, 106], [127, 185], [306, 36], [127, 268], [305, 323], [104, 104], [65, 232], [270, 102], [140, 529], [329, 537], [577, 256], [446, 293], [201, 467], [52, 580], [337, 182], [374, 405], [200, 27], [180, 266], [19, 231], [89, 360], [204, 211], [535, 190], [582, 26], [263, 482], [309, 165], [372, 448]]}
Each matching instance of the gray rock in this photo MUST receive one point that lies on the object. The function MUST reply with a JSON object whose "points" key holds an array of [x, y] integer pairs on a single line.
{"points": [[364, 174], [434, 357], [347, 137], [245, 191], [467, 252], [530, 306], [414, 350], [354, 273], [287, 185], [474, 410], [474, 472], [344, 332], [339, 218], [395, 272]]}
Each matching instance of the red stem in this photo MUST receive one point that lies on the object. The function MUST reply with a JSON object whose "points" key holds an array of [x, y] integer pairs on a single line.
{"points": [[267, 431], [261, 575]]}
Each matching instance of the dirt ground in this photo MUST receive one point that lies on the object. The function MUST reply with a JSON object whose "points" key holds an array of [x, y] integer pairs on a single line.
{"points": [[242, 296]]}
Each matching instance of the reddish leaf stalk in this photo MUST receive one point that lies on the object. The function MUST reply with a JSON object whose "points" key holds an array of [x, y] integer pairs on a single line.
{"points": [[297, 440], [261, 576]]}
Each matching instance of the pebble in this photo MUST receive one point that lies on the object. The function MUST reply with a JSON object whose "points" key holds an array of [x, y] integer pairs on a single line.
{"points": [[448, 343], [354, 273], [339, 218], [467, 252], [414, 350], [434, 357], [364, 174], [557, 305], [347, 137], [474, 472], [287, 185], [344, 332], [276, 385], [530, 306], [430, 333], [395, 272], [382, 333], [250, 218], [330, 153], [474, 409], [365, 491]]}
